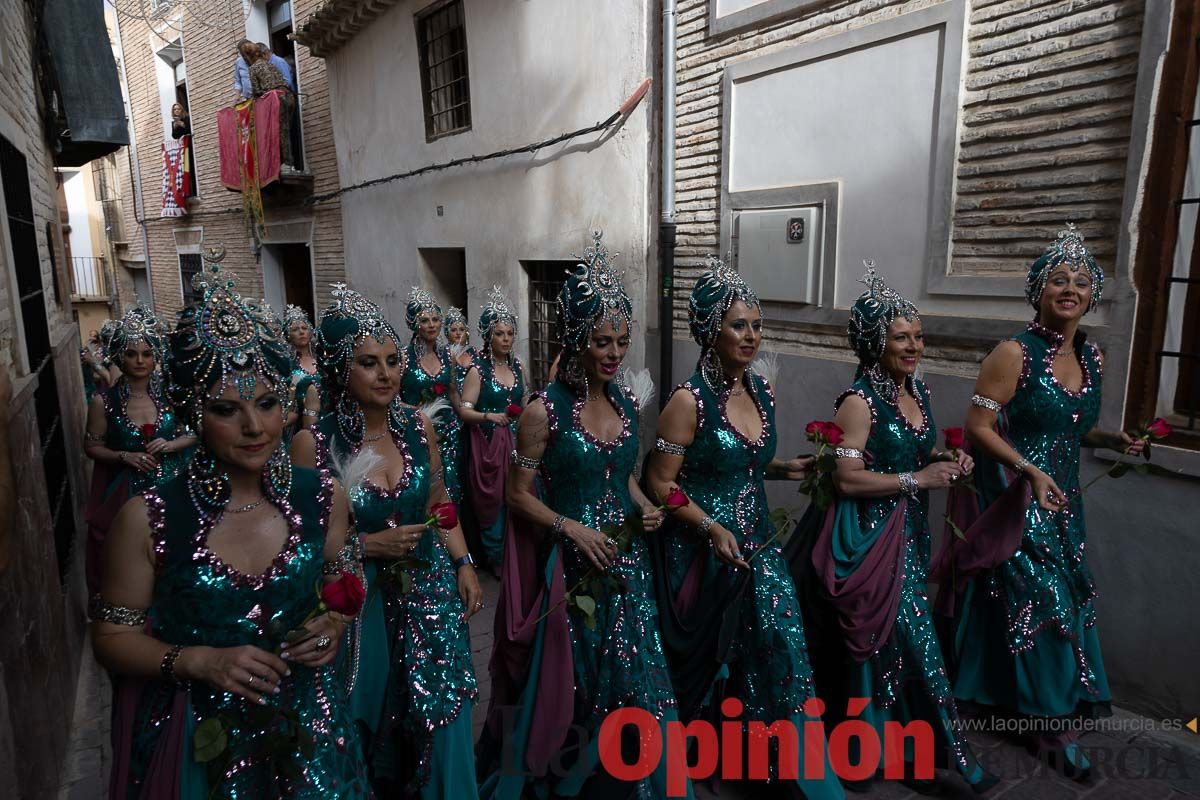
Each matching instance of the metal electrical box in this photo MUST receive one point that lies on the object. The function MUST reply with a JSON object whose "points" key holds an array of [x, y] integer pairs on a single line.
{"points": [[779, 251]]}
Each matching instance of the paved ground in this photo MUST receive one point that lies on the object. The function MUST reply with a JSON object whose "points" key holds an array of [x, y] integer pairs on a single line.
{"points": [[1129, 761]]}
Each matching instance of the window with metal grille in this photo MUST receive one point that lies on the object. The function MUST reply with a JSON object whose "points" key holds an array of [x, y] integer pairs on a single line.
{"points": [[442, 43], [22, 233], [1166, 381], [545, 281], [190, 265]]}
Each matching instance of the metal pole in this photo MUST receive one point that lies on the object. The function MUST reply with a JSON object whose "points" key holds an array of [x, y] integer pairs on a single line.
{"points": [[666, 225]]}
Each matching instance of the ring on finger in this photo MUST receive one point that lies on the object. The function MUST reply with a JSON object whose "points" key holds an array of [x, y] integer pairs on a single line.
{"points": [[610, 542], [323, 643]]}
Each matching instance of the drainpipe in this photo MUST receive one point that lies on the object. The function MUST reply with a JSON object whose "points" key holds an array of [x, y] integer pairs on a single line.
{"points": [[666, 223], [139, 207]]}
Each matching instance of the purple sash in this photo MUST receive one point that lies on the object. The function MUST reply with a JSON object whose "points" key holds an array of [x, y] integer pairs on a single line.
{"points": [[487, 469], [165, 769]]}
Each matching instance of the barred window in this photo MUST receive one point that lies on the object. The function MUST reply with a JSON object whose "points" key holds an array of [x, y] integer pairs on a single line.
{"points": [[190, 265], [545, 282], [442, 43]]}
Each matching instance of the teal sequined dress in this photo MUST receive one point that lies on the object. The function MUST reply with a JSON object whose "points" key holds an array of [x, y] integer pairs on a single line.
{"points": [[418, 387], [487, 468], [201, 600], [414, 681], [1026, 640], [619, 663], [114, 484], [723, 473], [905, 679]]}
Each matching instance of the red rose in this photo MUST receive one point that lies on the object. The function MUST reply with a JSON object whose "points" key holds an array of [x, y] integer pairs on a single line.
{"points": [[439, 389], [833, 433], [444, 515], [1159, 429], [955, 438], [148, 430], [813, 428], [345, 595], [677, 500], [513, 410]]}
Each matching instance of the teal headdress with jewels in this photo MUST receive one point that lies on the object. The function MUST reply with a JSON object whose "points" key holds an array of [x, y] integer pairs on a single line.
{"points": [[454, 316], [496, 311], [1067, 248], [346, 322], [223, 341], [718, 288], [293, 314], [139, 324], [420, 301], [876, 309], [592, 291]]}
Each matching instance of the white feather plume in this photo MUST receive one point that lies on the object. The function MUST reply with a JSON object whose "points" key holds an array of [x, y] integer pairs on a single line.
{"points": [[767, 365], [642, 386], [456, 350], [435, 407], [356, 468]]}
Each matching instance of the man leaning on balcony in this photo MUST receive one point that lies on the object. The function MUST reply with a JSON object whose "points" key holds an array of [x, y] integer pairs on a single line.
{"points": [[241, 73]]}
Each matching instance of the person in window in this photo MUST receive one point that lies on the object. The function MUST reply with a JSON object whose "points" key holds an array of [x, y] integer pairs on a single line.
{"points": [[281, 64], [241, 69], [181, 122], [265, 77]]}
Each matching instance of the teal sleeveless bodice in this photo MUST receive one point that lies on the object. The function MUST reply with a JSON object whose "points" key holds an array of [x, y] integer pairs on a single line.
{"points": [[122, 434], [418, 387], [495, 397]]}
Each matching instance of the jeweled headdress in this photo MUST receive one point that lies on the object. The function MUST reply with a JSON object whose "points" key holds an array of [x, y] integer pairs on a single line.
{"points": [[344, 324], [591, 292], [1067, 249], [454, 316], [223, 341], [876, 308], [293, 314], [718, 288], [496, 311], [420, 301], [138, 325]]}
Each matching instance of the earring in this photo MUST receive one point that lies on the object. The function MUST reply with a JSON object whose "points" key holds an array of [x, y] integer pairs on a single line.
{"points": [[207, 483], [277, 477], [350, 419]]}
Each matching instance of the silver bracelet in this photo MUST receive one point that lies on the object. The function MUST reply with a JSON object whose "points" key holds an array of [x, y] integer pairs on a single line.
{"points": [[332, 567], [849, 452], [560, 522], [525, 462], [706, 522], [908, 484], [670, 448], [1021, 463], [467, 404], [308, 412], [986, 402]]}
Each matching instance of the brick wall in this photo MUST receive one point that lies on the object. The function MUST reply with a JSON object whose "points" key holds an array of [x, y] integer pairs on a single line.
{"points": [[1045, 115], [210, 36]]}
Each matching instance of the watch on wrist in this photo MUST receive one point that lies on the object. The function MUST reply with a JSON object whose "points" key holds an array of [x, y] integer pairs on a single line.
{"points": [[459, 563]]}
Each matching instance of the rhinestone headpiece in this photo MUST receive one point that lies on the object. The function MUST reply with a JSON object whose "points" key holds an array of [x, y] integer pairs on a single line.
{"points": [[718, 288], [344, 324], [420, 301], [139, 324], [495, 311], [593, 290], [293, 314], [876, 308], [1067, 248]]}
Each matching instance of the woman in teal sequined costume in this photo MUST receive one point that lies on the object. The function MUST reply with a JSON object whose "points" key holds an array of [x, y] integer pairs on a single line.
{"points": [[458, 337], [553, 669], [306, 381], [493, 394], [873, 552], [1025, 638], [409, 660], [429, 377], [133, 435], [208, 573], [717, 438]]}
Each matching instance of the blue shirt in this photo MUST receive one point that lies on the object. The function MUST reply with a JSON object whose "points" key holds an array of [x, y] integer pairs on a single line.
{"points": [[284, 69], [241, 77]]}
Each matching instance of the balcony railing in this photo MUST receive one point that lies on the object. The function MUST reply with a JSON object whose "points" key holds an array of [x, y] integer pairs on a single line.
{"points": [[89, 278]]}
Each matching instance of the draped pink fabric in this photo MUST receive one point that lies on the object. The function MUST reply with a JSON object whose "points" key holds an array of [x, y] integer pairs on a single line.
{"points": [[689, 590], [229, 148], [991, 538], [487, 469], [104, 501], [165, 770], [523, 596], [868, 598], [233, 141]]}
